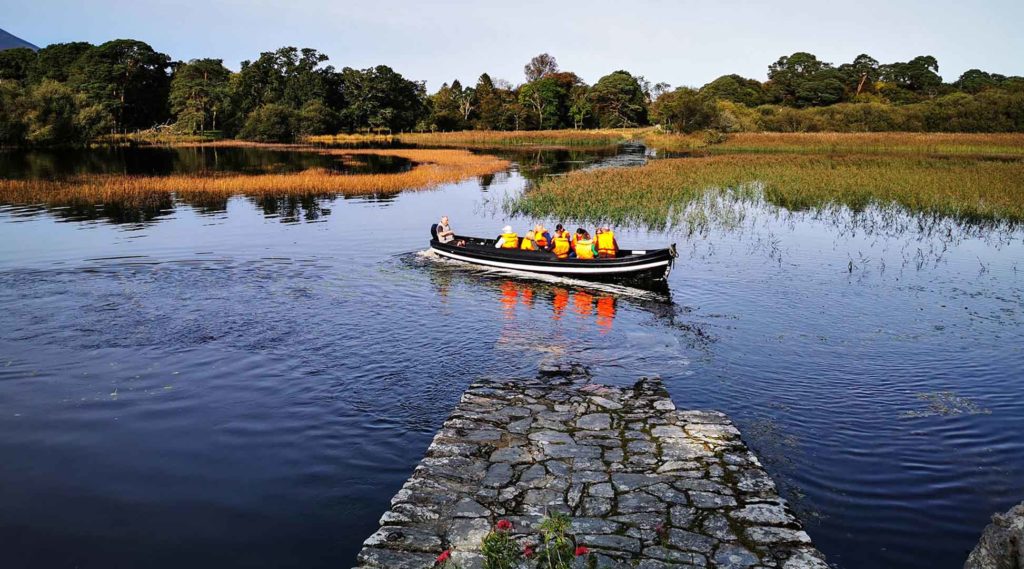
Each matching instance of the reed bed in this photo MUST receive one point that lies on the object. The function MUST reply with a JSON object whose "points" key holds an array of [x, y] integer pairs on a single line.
{"points": [[661, 194], [901, 143], [492, 138], [433, 167]]}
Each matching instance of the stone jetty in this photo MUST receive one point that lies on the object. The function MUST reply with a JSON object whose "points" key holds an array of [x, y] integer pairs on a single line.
{"points": [[646, 484]]}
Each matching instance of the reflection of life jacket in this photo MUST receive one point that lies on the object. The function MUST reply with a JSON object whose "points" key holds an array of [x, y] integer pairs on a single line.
{"points": [[509, 240], [584, 248], [528, 245], [540, 240], [561, 249], [605, 311], [583, 303], [560, 301], [606, 244]]}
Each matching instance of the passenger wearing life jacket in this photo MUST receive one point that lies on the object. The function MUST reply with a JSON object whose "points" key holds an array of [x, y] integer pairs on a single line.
{"points": [[584, 246], [561, 245], [508, 239], [528, 242], [541, 237], [607, 246]]}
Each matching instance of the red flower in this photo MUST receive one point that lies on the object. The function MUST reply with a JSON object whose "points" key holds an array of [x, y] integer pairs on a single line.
{"points": [[659, 529], [443, 557], [581, 550], [527, 551], [504, 525]]}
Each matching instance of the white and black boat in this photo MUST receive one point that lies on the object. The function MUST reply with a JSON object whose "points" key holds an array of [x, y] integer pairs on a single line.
{"points": [[630, 266]]}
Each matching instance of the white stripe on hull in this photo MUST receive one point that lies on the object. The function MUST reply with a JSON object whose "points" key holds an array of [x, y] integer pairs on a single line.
{"points": [[553, 270]]}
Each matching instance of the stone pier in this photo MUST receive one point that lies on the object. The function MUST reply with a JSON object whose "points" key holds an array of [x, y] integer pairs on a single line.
{"points": [[647, 485]]}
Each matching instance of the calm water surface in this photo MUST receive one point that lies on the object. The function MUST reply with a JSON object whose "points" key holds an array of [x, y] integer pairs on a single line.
{"points": [[247, 384]]}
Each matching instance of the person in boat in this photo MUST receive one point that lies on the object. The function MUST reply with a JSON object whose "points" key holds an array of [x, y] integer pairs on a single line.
{"points": [[607, 246], [529, 241], [561, 244], [508, 239], [584, 246], [541, 237], [445, 233]]}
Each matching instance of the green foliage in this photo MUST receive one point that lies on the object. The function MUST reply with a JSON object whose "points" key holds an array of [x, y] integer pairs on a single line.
{"points": [[685, 110], [15, 64], [200, 94], [129, 78], [315, 117], [558, 549], [50, 116], [619, 101], [54, 61], [380, 98], [12, 124], [737, 89], [289, 77], [270, 123], [500, 550]]}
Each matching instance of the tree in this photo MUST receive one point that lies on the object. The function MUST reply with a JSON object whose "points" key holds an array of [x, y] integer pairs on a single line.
{"points": [[580, 108], [381, 98], [736, 89], [685, 110], [802, 80], [542, 97], [129, 78], [976, 81], [288, 76], [50, 116], [861, 75], [490, 104], [56, 60], [12, 124], [919, 75], [619, 101], [270, 123], [200, 93], [540, 67], [315, 117], [15, 64]]}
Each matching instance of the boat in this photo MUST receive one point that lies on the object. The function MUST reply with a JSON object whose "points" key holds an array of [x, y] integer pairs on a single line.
{"points": [[628, 266]]}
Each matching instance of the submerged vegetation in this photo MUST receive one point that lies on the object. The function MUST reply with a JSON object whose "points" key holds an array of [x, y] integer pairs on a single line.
{"points": [[432, 167], [685, 191]]}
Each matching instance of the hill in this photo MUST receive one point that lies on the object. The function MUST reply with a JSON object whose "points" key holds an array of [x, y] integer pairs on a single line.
{"points": [[10, 41]]}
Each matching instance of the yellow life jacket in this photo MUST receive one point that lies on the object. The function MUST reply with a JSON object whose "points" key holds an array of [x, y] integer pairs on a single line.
{"points": [[606, 244], [528, 245], [540, 240], [510, 240], [584, 248], [561, 249]]}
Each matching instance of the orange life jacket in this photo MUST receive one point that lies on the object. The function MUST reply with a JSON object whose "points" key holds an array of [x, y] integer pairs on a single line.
{"points": [[540, 240], [584, 248], [528, 245], [509, 240], [606, 244], [561, 249]]}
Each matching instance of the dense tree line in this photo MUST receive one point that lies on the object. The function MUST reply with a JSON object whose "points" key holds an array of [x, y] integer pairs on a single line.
{"points": [[72, 93]]}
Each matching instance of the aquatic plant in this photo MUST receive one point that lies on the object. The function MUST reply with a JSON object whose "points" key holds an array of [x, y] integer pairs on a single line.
{"points": [[892, 143], [663, 193], [432, 168], [492, 138]]}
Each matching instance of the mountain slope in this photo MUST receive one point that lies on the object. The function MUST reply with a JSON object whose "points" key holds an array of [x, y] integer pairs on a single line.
{"points": [[10, 41]]}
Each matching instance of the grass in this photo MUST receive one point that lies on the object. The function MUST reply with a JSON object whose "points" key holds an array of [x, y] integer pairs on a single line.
{"points": [[491, 138], [935, 144], [664, 192], [433, 167]]}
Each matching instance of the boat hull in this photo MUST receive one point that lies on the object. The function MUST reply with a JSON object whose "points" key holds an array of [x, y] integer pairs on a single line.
{"points": [[631, 266]]}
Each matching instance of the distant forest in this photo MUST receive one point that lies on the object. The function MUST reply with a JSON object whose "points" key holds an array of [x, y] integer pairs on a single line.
{"points": [[74, 93]]}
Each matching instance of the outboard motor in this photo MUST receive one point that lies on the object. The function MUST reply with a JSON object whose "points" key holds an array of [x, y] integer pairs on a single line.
{"points": [[433, 232]]}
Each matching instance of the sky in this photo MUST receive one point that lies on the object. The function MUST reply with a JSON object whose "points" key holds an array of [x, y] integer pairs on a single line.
{"points": [[680, 43]]}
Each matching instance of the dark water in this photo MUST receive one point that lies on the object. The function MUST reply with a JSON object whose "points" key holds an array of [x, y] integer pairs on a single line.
{"points": [[241, 385], [161, 161]]}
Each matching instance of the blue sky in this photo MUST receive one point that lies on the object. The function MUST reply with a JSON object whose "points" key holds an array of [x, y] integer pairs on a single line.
{"points": [[681, 43]]}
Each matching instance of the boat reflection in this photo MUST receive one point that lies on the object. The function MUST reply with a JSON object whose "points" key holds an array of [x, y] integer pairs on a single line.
{"points": [[523, 300]]}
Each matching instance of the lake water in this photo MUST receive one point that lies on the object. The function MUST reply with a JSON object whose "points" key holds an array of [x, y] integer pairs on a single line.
{"points": [[247, 384]]}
